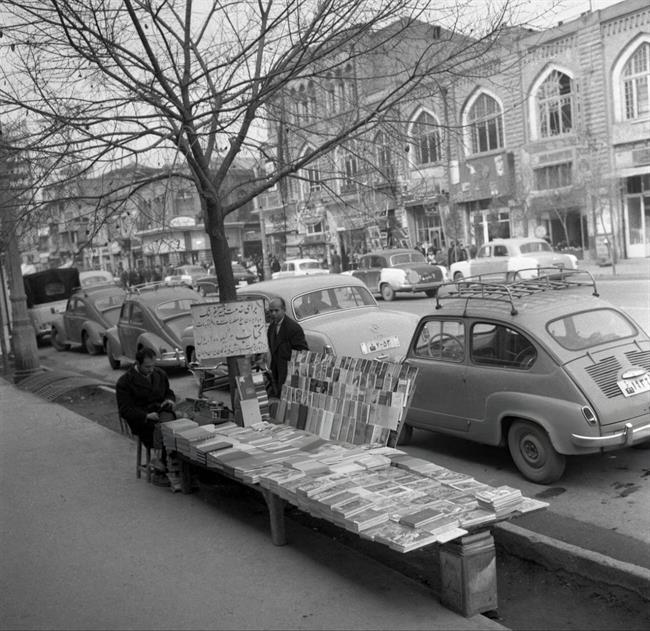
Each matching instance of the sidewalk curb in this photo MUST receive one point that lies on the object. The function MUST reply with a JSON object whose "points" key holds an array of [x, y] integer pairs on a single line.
{"points": [[554, 554]]}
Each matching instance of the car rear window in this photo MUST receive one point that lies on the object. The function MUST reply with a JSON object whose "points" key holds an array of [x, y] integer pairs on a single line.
{"points": [[173, 308], [335, 299], [538, 246], [407, 257], [589, 328], [310, 265]]}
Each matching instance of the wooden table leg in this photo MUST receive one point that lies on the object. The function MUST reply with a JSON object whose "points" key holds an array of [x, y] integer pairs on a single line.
{"points": [[276, 516], [468, 577], [186, 477]]}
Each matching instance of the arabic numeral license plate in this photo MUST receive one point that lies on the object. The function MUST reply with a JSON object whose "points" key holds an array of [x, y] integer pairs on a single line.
{"points": [[630, 387], [379, 345]]}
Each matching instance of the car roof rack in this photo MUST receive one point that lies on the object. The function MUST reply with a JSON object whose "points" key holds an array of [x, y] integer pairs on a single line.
{"points": [[546, 279], [138, 289]]}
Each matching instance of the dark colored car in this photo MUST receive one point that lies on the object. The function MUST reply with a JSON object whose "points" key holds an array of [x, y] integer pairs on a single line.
{"points": [[542, 367], [88, 314], [152, 317], [209, 285], [388, 272], [47, 294]]}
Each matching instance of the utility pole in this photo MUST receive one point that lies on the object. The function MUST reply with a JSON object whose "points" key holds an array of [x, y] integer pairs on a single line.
{"points": [[23, 338]]}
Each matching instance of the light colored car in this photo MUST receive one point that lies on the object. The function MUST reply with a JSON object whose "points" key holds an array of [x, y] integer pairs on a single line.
{"points": [[152, 317], [88, 314], [344, 318], [388, 272], [510, 256], [185, 275], [299, 267], [94, 277], [550, 371]]}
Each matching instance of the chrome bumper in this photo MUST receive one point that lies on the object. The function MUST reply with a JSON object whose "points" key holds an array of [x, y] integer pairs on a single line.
{"points": [[629, 435]]}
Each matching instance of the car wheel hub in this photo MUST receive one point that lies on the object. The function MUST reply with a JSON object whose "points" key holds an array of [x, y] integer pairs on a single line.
{"points": [[532, 451]]}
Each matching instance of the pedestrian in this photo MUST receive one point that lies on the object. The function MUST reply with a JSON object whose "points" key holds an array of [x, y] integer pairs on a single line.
{"points": [[275, 264], [335, 262], [284, 335], [144, 400]]}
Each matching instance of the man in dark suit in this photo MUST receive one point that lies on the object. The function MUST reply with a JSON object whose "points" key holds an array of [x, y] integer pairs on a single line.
{"points": [[144, 399], [285, 335]]}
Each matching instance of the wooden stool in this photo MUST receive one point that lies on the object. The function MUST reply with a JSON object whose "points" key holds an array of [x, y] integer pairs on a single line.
{"points": [[126, 430]]}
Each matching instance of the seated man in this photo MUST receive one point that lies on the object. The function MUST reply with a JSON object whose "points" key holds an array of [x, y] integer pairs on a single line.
{"points": [[316, 303], [144, 399]]}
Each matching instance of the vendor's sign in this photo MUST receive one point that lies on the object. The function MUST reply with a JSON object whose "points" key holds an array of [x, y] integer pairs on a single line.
{"points": [[226, 329]]}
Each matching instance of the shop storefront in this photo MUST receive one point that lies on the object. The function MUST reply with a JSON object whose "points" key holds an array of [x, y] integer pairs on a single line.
{"points": [[486, 184]]}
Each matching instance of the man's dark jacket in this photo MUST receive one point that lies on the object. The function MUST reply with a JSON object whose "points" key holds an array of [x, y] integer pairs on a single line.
{"points": [[290, 337], [137, 396]]}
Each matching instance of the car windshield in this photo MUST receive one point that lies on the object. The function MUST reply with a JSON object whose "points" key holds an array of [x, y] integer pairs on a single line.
{"points": [[407, 257], [334, 299], [310, 265], [537, 246], [109, 306], [589, 328]]}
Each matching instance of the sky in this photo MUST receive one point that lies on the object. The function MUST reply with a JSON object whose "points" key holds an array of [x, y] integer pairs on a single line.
{"points": [[548, 13]]}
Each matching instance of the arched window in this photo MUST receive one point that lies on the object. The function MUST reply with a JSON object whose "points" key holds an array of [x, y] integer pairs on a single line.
{"points": [[383, 152], [555, 105], [426, 138], [636, 83], [485, 123]]}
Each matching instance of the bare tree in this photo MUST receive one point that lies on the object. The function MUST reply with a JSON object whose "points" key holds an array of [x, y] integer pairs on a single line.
{"points": [[195, 86]]}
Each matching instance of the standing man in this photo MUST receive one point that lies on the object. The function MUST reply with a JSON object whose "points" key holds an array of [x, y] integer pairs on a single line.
{"points": [[284, 335], [335, 262], [144, 399]]}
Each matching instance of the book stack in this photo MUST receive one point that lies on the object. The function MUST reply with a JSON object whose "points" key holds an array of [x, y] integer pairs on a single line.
{"points": [[187, 437], [353, 400], [169, 430], [500, 500]]}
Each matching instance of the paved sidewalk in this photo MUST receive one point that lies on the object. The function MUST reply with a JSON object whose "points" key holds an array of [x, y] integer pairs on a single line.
{"points": [[86, 545], [626, 269]]}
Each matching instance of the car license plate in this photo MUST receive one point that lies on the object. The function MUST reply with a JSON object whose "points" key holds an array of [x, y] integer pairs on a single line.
{"points": [[379, 345], [630, 387]]}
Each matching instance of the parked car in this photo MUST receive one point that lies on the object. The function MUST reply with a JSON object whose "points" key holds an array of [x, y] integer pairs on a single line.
{"points": [[152, 317], [544, 368], [299, 267], [47, 294], [512, 257], [388, 272], [209, 285], [88, 314], [94, 277], [185, 274], [348, 321]]}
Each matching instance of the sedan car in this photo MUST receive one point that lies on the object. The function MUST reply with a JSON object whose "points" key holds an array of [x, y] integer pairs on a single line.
{"points": [[388, 272], [338, 315], [88, 314], [299, 267], [185, 274], [153, 317], [209, 285], [513, 257], [550, 370]]}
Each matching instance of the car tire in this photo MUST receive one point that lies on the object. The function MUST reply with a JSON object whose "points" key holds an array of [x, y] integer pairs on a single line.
{"points": [[533, 454], [405, 435], [114, 363], [387, 292], [431, 293], [91, 349], [458, 276], [57, 343]]}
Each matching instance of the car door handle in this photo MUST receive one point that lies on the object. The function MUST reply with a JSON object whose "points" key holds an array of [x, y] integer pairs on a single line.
{"points": [[382, 357]]}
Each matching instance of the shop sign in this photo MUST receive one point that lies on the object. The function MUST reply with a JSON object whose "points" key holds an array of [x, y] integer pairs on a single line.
{"points": [[199, 242], [552, 157], [182, 222], [485, 177]]}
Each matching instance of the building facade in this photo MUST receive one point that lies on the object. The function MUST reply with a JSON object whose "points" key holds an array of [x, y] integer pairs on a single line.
{"points": [[548, 136]]}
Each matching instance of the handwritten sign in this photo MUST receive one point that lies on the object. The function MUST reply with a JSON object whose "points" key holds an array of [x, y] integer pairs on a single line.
{"points": [[224, 329]]}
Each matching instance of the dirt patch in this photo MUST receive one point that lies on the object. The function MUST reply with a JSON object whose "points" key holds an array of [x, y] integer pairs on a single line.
{"points": [[96, 404]]}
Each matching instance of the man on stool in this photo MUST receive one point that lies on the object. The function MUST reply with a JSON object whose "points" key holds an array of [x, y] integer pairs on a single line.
{"points": [[144, 399]]}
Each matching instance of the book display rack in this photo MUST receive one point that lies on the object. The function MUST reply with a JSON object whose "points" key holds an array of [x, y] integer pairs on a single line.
{"points": [[328, 453], [357, 401]]}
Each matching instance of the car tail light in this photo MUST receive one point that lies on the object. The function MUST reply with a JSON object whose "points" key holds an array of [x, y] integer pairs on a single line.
{"points": [[589, 415], [328, 349]]}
